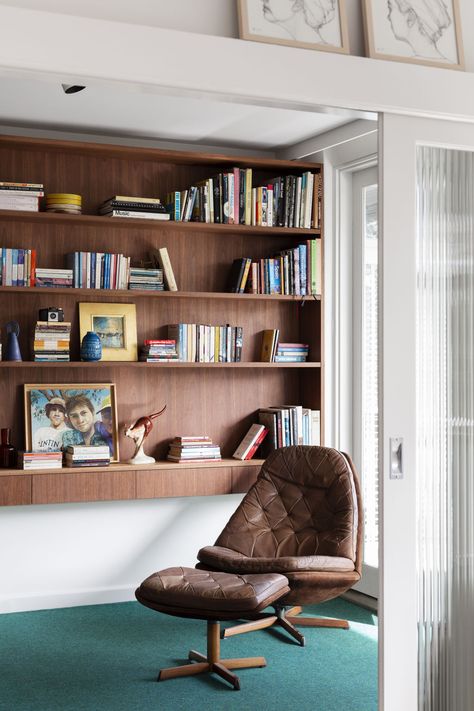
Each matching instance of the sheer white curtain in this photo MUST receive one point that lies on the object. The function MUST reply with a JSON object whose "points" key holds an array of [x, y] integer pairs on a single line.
{"points": [[445, 422]]}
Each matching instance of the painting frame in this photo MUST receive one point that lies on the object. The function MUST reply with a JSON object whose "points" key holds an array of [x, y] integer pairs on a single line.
{"points": [[250, 27], [103, 395], [124, 316], [377, 30]]}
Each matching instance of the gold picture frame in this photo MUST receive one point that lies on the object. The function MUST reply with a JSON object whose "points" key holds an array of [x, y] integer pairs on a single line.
{"points": [[414, 31], [116, 325], [44, 432], [311, 24]]}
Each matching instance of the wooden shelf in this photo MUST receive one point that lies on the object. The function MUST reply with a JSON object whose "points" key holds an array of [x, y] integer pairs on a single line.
{"points": [[131, 293], [58, 218], [139, 364], [124, 467]]}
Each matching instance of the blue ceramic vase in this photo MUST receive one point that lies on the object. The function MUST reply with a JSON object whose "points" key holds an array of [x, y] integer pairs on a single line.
{"points": [[91, 347], [13, 347]]}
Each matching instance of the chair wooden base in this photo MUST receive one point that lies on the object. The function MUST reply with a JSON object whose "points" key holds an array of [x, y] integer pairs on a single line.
{"points": [[212, 662], [286, 618]]}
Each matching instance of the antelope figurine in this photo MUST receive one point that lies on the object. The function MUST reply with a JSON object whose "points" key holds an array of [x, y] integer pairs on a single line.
{"points": [[139, 431]]}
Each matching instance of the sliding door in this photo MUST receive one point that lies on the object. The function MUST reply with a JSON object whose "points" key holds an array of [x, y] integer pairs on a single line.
{"points": [[427, 415]]}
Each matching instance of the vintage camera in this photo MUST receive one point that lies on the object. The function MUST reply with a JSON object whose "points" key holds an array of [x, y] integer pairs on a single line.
{"points": [[53, 314]]}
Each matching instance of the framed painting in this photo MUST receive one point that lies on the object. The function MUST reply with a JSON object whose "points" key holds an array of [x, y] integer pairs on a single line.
{"points": [[415, 31], [116, 326], [57, 416], [311, 24]]}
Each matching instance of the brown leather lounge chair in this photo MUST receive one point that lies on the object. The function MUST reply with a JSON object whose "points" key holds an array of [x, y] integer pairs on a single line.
{"points": [[302, 518]]}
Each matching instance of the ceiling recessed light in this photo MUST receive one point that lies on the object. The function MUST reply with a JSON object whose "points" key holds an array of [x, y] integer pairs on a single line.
{"points": [[72, 88]]}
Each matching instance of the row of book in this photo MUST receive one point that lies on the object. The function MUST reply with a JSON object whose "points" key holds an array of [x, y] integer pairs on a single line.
{"points": [[134, 207], [202, 343], [74, 456], [99, 270], [17, 267], [231, 198], [290, 425], [193, 448], [159, 351], [20, 196], [52, 341], [295, 271], [86, 270]]}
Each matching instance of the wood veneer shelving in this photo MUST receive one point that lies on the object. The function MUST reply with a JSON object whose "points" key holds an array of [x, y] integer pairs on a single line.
{"points": [[218, 399], [170, 364], [129, 293]]}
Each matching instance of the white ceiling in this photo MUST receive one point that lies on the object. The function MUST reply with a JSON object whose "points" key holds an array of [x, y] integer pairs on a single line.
{"points": [[114, 110]]}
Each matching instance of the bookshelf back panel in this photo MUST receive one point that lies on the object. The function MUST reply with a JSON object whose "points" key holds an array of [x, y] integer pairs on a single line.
{"points": [[200, 262], [219, 403], [154, 315], [97, 175]]}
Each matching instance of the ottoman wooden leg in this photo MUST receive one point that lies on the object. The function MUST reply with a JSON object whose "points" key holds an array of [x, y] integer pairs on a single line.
{"points": [[212, 662]]}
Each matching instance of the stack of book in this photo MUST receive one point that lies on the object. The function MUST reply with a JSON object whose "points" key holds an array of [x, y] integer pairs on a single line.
{"points": [[251, 442], [189, 449], [99, 270], [69, 203], [53, 278], [290, 425], [149, 279], [134, 207], [291, 353], [51, 342], [295, 271], [159, 351], [41, 460], [20, 196], [202, 343], [17, 267], [85, 456]]}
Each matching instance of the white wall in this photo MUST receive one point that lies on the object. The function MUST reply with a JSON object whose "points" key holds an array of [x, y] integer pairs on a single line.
{"points": [[213, 17], [81, 554]]}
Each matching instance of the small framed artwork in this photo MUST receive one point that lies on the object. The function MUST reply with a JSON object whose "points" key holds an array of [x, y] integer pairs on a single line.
{"points": [[311, 24], [57, 416], [116, 326], [415, 31]]}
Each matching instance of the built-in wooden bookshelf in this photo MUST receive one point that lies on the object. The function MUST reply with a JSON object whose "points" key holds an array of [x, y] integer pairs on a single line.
{"points": [[217, 399]]}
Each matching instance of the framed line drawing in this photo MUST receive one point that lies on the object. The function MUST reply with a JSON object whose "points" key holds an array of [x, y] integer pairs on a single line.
{"points": [[116, 326], [414, 31], [60, 415], [310, 24]]}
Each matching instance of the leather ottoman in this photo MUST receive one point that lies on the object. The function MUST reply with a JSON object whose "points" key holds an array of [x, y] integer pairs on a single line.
{"points": [[212, 596]]}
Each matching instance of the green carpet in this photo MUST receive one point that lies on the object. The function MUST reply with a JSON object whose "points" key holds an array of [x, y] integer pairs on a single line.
{"points": [[107, 657]]}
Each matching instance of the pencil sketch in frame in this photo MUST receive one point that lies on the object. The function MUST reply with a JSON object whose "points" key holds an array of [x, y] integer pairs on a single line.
{"points": [[415, 31], [311, 24]]}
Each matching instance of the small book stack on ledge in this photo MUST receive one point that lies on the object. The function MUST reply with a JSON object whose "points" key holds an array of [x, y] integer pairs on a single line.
{"points": [[199, 448]]}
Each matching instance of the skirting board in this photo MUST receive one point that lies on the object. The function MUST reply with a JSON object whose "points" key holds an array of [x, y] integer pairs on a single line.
{"points": [[25, 603], [358, 598]]}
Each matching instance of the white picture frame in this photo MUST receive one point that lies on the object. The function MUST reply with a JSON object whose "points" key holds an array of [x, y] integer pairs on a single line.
{"points": [[310, 24], [414, 31]]}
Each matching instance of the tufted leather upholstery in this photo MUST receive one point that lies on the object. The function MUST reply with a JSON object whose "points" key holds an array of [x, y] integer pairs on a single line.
{"points": [[303, 518], [203, 594]]}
